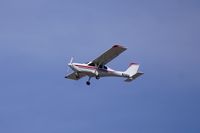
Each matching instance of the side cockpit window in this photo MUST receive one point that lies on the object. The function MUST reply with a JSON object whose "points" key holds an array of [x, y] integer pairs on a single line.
{"points": [[103, 67], [100, 66]]}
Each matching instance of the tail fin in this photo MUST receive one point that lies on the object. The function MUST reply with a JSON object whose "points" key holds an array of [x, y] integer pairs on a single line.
{"points": [[132, 69]]}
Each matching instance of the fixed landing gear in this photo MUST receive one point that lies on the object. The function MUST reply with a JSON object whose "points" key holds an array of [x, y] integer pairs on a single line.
{"points": [[97, 77], [88, 82], [77, 75]]}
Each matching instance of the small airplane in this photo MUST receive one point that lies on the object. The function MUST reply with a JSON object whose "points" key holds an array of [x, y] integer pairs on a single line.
{"points": [[97, 68]]}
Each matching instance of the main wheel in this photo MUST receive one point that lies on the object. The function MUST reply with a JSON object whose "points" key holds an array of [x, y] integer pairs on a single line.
{"points": [[88, 82], [98, 77]]}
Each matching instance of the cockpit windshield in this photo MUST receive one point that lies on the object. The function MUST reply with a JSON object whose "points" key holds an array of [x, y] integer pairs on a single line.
{"points": [[91, 64]]}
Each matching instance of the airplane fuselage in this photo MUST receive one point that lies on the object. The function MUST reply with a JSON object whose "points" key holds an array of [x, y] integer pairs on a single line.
{"points": [[94, 71]]}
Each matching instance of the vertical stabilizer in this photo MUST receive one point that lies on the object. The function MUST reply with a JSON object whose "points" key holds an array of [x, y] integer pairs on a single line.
{"points": [[132, 69]]}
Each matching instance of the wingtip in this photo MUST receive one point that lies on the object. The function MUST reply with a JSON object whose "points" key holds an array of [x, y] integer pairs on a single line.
{"points": [[141, 73], [133, 64], [118, 45]]}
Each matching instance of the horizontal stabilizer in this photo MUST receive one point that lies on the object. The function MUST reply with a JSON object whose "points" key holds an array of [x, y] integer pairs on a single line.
{"points": [[134, 77]]}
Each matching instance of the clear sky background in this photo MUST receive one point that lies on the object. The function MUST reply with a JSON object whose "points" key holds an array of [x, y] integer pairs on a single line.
{"points": [[38, 38]]}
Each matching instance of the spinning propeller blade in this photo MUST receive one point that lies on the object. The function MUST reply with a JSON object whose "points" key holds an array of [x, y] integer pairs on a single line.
{"points": [[71, 60]]}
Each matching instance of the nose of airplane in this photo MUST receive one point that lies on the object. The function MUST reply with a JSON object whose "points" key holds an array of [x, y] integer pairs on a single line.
{"points": [[70, 65]]}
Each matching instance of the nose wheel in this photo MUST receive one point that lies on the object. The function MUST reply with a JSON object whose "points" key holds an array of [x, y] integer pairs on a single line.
{"points": [[77, 75]]}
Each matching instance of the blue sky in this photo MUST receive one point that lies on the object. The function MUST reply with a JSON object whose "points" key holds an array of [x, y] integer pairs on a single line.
{"points": [[38, 38]]}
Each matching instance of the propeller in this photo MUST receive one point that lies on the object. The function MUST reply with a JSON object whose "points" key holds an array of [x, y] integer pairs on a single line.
{"points": [[71, 60], [70, 63]]}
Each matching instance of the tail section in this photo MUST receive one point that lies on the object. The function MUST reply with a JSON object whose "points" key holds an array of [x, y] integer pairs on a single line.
{"points": [[132, 72], [132, 69]]}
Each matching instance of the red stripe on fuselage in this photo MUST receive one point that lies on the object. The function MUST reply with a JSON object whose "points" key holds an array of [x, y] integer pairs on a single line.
{"points": [[89, 67], [92, 67]]}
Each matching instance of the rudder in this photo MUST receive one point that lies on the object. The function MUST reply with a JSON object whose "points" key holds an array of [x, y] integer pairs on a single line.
{"points": [[132, 69]]}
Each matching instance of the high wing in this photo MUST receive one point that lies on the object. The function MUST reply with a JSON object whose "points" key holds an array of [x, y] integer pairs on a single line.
{"points": [[109, 55], [73, 76]]}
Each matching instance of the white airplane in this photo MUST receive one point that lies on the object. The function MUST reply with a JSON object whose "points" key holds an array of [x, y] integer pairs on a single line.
{"points": [[97, 68]]}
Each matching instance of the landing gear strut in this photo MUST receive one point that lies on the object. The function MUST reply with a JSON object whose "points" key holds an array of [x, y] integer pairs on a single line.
{"points": [[77, 75], [88, 82]]}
